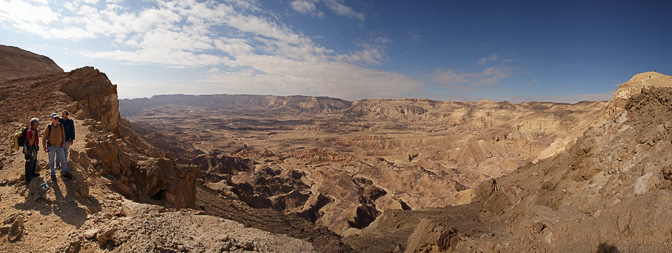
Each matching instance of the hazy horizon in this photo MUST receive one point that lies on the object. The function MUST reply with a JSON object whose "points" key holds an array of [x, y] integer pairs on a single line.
{"points": [[460, 51], [242, 94]]}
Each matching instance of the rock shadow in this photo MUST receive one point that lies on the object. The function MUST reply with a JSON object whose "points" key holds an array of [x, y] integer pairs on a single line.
{"points": [[64, 205], [607, 248]]}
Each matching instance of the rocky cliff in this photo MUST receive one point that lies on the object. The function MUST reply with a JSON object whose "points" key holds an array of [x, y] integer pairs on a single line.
{"points": [[609, 192], [110, 149], [19, 63]]}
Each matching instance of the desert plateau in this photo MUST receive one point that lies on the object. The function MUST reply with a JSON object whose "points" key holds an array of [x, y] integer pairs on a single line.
{"points": [[214, 173]]}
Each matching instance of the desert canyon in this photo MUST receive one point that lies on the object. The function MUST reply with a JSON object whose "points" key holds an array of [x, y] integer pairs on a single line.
{"points": [[217, 173]]}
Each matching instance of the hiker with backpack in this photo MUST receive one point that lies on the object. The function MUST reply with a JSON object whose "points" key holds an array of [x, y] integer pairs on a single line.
{"points": [[69, 128], [53, 143], [30, 148]]}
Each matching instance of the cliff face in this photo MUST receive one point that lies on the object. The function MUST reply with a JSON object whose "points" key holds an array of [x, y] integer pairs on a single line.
{"points": [[19, 63], [96, 96], [109, 147]]}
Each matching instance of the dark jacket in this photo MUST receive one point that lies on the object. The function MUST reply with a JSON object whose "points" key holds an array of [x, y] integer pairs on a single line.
{"points": [[69, 127]]}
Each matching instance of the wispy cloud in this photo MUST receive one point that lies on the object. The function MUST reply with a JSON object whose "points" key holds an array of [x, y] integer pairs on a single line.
{"points": [[336, 6], [531, 82], [452, 78], [341, 9], [306, 7], [486, 60], [415, 34]]}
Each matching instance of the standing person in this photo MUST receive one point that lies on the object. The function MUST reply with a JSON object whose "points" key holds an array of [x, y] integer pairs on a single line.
{"points": [[53, 142], [30, 149], [69, 128]]}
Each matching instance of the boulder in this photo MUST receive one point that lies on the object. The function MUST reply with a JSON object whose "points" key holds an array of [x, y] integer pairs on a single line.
{"points": [[646, 183], [15, 223]]}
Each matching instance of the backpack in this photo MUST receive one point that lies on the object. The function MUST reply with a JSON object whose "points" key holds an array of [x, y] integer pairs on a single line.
{"points": [[20, 138]]}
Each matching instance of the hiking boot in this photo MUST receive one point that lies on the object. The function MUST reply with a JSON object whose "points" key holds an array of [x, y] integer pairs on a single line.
{"points": [[53, 177], [67, 176]]}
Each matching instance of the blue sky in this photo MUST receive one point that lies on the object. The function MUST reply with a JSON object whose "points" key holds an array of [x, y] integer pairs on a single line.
{"points": [[563, 51]]}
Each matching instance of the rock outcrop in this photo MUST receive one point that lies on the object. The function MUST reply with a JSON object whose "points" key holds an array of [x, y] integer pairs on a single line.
{"points": [[635, 86], [19, 63], [95, 95]]}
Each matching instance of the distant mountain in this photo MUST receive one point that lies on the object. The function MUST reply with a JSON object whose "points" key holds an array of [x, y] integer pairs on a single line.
{"points": [[130, 107], [18, 63]]}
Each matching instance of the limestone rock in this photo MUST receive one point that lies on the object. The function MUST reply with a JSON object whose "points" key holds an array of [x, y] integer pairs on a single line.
{"points": [[646, 183], [15, 222], [106, 235], [91, 233], [96, 95]]}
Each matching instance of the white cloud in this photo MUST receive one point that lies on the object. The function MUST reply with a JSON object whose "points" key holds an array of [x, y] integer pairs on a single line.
{"points": [[39, 1], [74, 33], [369, 54], [341, 9], [306, 7], [19, 12], [486, 60], [276, 75], [239, 47]]}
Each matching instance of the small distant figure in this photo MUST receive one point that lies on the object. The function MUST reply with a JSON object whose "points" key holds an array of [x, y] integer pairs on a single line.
{"points": [[30, 149], [53, 142], [69, 128]]}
